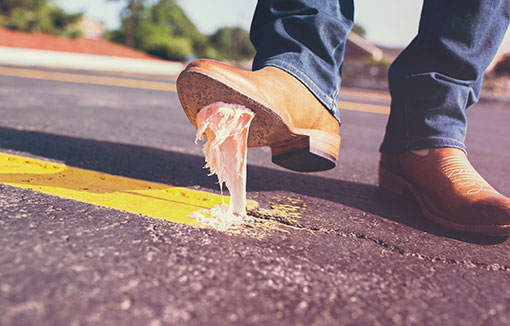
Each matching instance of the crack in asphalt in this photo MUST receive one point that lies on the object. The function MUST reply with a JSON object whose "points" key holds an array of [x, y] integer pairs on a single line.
{"points": [[382, 243], [280, 219], [449, 261]]}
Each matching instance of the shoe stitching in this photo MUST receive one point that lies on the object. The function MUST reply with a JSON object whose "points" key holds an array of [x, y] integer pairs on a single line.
{"points": [[455, 170], [483, 227]]}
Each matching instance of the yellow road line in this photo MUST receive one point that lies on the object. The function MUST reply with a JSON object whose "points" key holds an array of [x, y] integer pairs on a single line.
{"points": [[87, 79], [153, 85], [363, 93], [135, 196], [362, 107]]}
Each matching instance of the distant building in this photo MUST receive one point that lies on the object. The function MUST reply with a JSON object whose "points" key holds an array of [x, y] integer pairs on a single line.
{"points": [[501, 63], [91, 29]]}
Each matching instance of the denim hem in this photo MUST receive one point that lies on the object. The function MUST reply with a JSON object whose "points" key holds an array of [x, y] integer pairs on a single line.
{"points": [[329, 103], [395, 147]]}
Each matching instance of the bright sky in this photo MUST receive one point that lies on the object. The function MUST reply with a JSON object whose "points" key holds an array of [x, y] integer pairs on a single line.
{"points": [[396, 27]]}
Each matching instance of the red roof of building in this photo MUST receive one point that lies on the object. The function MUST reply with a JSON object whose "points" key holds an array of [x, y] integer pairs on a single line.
{"points": [[39, 41]]}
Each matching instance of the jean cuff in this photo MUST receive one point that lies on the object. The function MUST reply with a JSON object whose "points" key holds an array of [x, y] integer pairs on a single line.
{"points": [[329, 102], [400, 146]]}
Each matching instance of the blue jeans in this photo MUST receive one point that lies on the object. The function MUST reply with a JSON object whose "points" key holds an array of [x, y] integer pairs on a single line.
{"points": [[432, 83]]}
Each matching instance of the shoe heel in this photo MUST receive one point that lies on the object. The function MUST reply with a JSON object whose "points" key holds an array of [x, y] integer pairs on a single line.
{"points": [[307, 151], [390, 181]]}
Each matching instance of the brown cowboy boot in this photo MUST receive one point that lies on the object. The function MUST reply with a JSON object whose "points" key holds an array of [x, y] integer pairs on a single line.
{"points": [[302, 134], [449, 190]]}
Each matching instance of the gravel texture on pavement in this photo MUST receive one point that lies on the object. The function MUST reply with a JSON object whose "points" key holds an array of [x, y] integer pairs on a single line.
{"points": [[345, 254]]}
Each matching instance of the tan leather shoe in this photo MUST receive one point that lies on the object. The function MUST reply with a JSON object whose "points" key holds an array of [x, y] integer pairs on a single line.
{"points": [[302, 134], [448, 189]]}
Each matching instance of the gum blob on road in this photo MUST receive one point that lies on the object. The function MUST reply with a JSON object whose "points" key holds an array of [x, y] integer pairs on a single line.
{"points": [[226, 128]]}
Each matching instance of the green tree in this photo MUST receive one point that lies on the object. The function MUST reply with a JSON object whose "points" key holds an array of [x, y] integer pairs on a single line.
{"points": [[38, 16], [130, 19], [168, 13], [359, 30], [162, 29], [232, 43]]}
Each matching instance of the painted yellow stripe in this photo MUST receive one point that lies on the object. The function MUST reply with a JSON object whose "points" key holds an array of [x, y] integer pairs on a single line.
{"points": [[135, 196], [87, 79], [153, 85], [362, 107], [375, 95]]}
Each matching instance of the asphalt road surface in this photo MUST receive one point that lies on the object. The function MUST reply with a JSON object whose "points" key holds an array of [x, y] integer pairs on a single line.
{"points": [[350, 254]]}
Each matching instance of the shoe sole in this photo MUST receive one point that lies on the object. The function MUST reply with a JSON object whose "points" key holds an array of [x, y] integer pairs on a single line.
{"points": [[303, 150], [395, 183]]}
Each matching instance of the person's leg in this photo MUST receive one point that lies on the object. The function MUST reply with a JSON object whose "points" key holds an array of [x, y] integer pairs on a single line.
{"points": [[439, 75], [432, 83], [306, 38], [293, 89]]}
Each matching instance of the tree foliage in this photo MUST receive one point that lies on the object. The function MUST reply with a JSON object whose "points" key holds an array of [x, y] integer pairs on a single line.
{"points": [[232, 43], [359, 30], [38, 16], [154, 29], [164, 30]]}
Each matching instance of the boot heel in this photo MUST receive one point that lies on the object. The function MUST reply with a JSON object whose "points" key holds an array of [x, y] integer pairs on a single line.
{"points": [[390, 181], [307, 151]]}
